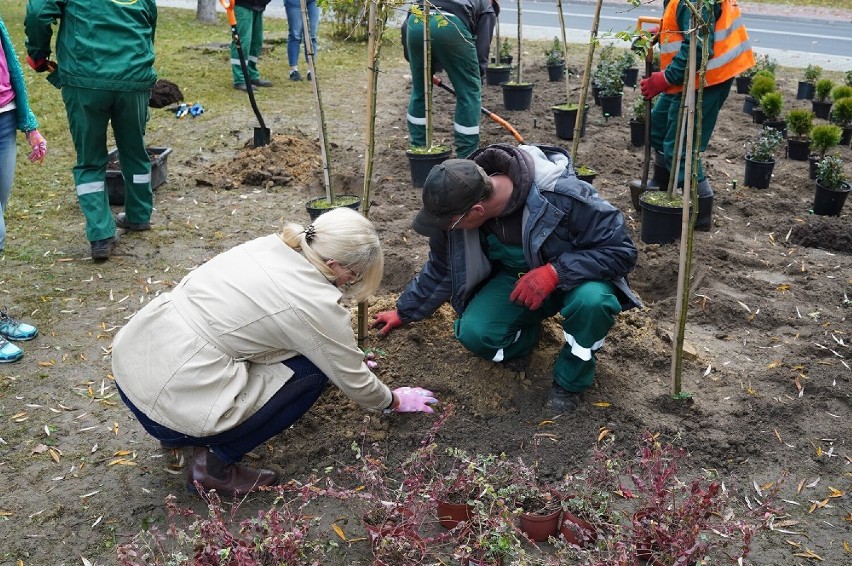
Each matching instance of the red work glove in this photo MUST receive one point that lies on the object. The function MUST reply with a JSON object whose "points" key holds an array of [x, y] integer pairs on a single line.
{"points": [[386, 321], [534, 287], [413, 400], [38, 144], [39, 65], [653, 85]]}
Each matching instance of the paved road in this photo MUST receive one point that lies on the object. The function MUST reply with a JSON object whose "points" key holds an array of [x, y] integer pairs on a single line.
{"points": [[794, 42]]}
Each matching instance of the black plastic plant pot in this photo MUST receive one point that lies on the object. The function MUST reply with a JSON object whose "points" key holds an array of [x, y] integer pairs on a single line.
{"points": [[496, 74], [421, 163], [828, 202], [587, 176], [758, 174], [778, 125], [748, 104], [596, 93], [743, 84], [629, 76], [611, 105], [821, 109], [318, 205], [517, 96], [660, 224], [637, 133], [798, 150], [813, 161], [846, 137], [556, 72], [566, 121], [757, 115], [805, 91]]}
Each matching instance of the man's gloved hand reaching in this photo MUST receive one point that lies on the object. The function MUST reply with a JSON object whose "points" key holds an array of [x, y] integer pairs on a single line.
{"points": [[535, 286], [653, 85], [40, 63], [412, 400], [386, 321]]}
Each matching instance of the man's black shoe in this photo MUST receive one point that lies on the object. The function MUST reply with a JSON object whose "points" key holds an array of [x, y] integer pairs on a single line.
{"points": [[560, 400], [121, 222], [102, 249], [261, 82], [241, 86]]}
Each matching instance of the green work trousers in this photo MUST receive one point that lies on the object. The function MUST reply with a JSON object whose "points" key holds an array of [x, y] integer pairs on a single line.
{"points": [[250, 30], [496, 329], [664, 123], [454, 47], [90, 111]]}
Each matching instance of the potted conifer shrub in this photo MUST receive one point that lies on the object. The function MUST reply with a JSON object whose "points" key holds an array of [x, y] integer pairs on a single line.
{"points": [[831, 187], [823, 138], [822, 101], [762, 83], [637, 122], [772, 103], [810, 76], [554, 61], [799, 122], [760, 161], [611, 88], [841, 115], [517, 94]]}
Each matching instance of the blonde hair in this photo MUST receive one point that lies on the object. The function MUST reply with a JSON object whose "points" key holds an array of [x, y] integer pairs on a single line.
{"points": [[344, 235]]}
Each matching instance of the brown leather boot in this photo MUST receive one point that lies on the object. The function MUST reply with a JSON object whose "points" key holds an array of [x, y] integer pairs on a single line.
{"points": [[228, 480]]}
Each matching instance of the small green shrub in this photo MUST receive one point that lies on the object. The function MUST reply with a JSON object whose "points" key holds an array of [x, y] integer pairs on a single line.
{"points": [[766, 145], [762, 63], [841, 91], [553, 54], [812, 74], [639, 109], [830, 173], [627, 60], [823, 89], [760, 85], [608, 76], [824, 137], [800, 122], [849, 78], [505, 51], [841, 112], [771, 104]]}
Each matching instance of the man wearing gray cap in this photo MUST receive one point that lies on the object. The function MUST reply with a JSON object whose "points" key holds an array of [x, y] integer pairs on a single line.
{"points": [[515, 237]]}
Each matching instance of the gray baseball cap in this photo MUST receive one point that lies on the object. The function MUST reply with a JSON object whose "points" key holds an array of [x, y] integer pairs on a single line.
{"points": [[450, 189]]}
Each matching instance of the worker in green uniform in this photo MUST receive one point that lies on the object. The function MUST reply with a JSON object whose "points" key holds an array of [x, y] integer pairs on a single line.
{"points": [[461, 37], [729, 54], [249, 16], [105, 67]]}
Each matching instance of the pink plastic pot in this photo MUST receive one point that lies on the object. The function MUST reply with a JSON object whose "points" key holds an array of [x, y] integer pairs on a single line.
{"points": [[540, 527]]}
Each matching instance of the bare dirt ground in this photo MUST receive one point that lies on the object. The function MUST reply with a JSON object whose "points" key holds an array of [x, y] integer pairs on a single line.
{"points": [[769, 325]]}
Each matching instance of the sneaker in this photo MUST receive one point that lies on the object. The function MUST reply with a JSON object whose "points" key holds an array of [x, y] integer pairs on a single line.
{"points": [[9, 352], [261, 82], [121, 222], [309, 75], [560, 400], [14, 329], [102, 249], [241, 86], [295, 76]]}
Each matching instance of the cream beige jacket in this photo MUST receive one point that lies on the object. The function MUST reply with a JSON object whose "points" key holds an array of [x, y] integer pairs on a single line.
{"points": [[206, 356]]}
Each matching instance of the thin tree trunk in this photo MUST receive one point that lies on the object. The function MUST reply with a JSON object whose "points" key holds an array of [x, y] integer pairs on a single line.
{"points": [[206, 12], [584, 88]]}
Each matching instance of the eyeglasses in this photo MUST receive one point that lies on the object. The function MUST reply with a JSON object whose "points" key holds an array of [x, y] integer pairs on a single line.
{"points": [[460, 218], [354, 278]]}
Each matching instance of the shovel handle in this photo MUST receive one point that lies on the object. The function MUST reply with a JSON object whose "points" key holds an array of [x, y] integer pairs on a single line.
{"points": [[439, 83], [229, 8]]}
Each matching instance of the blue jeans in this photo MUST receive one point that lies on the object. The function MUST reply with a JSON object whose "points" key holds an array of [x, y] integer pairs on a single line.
{"points": [[284, 408], [8, 153], [294, 22]]}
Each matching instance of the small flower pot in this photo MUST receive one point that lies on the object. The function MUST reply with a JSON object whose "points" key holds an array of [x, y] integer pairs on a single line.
{"points": [[629, 76], [318, 205], [586, 174], [748, 105], [496, 74], [828, 202], [822, 109], [506, 60], [743, 84], [637, 133], [540, 527], [566, 122], [660, 224], [421, 163], [451, 514], [517, 96], [556, 72], [798, 150], [577, 531], [611, 105], [647, 546], [805, 91], [758, 174]]}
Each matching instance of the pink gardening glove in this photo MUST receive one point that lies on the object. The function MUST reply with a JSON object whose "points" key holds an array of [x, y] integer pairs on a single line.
{"points": [[370, 360], [39, 145], [414, 400]]}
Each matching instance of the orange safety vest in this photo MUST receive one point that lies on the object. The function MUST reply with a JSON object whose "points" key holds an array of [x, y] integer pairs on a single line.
{"points": [[732, 53]]}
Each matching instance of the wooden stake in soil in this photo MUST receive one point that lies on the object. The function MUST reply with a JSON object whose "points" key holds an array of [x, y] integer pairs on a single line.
{"points": [[323, 132], [584, 90]]}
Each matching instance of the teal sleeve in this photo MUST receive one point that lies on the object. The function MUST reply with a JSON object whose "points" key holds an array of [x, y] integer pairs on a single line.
{"points": [[676, 71], [38, 25], [25, 119]]}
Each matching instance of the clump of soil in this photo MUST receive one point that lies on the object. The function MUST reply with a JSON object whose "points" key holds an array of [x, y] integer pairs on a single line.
{"points": [[827, 233], [164, 94], [286, 160]]}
